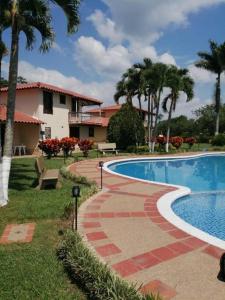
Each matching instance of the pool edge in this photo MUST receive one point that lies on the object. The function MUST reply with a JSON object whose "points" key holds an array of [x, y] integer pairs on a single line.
{"points": [[164, 203]]}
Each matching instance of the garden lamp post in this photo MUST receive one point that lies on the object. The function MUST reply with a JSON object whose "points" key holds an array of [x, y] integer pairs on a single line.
{"points": [[101, 164], [75, 195]]}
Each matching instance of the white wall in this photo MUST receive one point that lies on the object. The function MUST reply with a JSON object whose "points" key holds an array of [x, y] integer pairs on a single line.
{"points": [[58, 121]]}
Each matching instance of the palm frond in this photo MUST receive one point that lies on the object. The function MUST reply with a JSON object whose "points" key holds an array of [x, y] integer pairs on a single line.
{"points": [[71, 10]]}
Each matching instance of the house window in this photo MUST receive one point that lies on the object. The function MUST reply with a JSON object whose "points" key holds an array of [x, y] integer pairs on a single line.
{"points": [[62, 99], [47, 103], [48, 134], [91, 131]]}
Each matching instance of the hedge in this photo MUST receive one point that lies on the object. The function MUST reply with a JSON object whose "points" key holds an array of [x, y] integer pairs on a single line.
{"points": [[94, 277]]}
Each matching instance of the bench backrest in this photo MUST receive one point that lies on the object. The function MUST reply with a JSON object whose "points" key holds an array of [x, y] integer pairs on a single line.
{"points": [[40, 164], [106, 146]]}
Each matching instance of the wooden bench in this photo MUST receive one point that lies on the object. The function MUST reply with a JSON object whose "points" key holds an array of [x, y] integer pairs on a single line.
{"points": [[107, 147], [47, 178]]}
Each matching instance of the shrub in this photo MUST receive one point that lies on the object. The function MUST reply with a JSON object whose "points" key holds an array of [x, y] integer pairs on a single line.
{"points": [[161, 139], [50, 147], [85, 146], [126, 128], [218, 140], [95, 277], [142, 149], [190, 141], [176, 141], [68, 144], [131, 149]]}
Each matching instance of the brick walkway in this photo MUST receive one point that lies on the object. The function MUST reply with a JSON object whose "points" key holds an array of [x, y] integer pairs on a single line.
{"points": [[125, 229]]}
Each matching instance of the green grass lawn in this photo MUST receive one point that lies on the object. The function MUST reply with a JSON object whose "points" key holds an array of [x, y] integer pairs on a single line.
{"points": [[32, 271]]}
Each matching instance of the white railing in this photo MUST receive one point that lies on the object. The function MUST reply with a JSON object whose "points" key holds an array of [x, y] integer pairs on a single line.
{"points": [[79, 118]]}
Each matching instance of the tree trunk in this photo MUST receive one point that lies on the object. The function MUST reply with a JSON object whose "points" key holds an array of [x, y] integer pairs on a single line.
{"points": [[9, 129], [2, 202], [156, 122], [140, 108], [149, 122], [217, 104], [168, 126]]}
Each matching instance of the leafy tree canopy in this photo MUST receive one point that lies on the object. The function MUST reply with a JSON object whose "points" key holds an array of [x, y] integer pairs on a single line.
{"points": [[126, 127], [4, 82]]}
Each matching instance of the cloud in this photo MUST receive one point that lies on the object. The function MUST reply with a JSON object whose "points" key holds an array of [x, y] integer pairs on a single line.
{"points": [[201, 75], [92, 55], [144, 19], [105, 27], [57, 48], [101, 90]]}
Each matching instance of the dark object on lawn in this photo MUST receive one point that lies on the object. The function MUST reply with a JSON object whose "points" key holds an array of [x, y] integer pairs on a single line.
{"points": [[75, 195], [221, 275], [47, 178]]}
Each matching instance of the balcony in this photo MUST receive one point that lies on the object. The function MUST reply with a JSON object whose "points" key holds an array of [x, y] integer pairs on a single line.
{"points": [[83, 118]]}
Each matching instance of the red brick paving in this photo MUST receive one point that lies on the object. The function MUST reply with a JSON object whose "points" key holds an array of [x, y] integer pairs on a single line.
{"points": [[107, 250], [18, 233], [194, 243], [213, 251], [94, 236], [146, 260], [91, 224], [126, 267], [158, 287], [178, 234]]}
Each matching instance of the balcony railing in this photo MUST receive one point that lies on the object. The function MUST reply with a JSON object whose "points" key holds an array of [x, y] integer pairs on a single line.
{"points": [[81, 118]]}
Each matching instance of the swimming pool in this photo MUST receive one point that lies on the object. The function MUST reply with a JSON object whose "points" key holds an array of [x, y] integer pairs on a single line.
{"points": [[202, 209]]}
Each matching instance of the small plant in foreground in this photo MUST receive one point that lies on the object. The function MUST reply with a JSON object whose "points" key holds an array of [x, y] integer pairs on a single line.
{"points": [[68, 144], [51, 147], [85, 146], [218, 140], [176, 141], [95, 277], [190, 141]]}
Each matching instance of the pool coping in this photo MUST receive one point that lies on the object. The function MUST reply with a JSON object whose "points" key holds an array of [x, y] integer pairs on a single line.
{"points": [[165, 202]]}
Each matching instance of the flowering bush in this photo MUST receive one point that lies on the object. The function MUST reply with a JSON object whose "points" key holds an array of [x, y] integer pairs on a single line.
{"points": [[176, 141], [68, 144], [85, 146], [50, 147], [161, 139], [190, 141]]}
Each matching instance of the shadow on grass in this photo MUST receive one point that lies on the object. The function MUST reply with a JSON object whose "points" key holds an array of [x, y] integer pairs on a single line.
{"points": [[23, 176]]}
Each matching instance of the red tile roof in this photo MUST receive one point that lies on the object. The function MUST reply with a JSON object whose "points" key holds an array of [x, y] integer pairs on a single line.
{"points": [[98, 121], [52, 88], [19, 117], [110, 107]]}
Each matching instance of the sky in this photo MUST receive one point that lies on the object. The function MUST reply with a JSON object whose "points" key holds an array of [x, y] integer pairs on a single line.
{"points": [[114, 34]]}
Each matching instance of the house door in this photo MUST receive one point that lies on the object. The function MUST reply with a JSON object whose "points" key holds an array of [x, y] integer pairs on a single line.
{"points": [[75, 132]]}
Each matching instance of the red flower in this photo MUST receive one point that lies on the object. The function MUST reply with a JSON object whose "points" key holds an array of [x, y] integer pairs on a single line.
{"points": [[85, 146], [50, 147], [68, 144], [190, 141], [176, 141]]}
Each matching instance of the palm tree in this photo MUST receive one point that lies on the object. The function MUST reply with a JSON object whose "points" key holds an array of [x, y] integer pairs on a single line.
{"points": [[160, 72], [214, 61], [178, 81], [28, 16], [127, 86]]}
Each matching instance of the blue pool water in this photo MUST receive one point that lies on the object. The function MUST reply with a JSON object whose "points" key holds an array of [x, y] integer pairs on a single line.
{"points": [[205, 176]]}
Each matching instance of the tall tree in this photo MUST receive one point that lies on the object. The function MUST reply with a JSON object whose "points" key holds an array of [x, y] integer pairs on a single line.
{"points": [[177, 81], [28, 16], [160, 73], [214, 61]]}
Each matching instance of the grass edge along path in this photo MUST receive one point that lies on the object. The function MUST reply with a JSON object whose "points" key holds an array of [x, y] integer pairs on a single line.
{"points": [[32, 270]]}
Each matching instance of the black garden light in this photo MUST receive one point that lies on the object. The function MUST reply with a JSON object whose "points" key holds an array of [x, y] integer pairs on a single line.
{"points": [[75, 195], [101, 164]]}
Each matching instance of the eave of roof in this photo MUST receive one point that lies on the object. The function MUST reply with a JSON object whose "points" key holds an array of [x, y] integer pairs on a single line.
{"points": [[52, 88], [19, 117], [111, 108]]}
